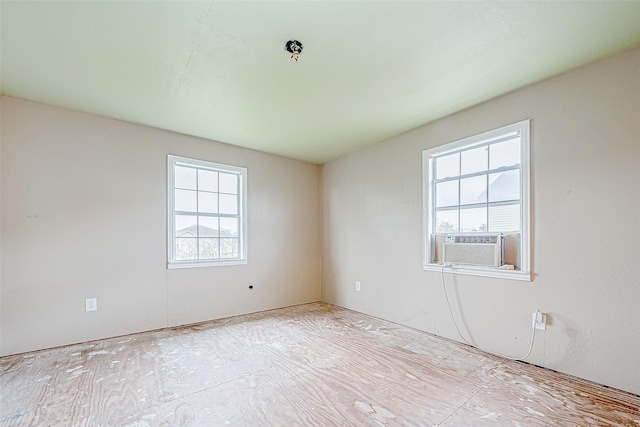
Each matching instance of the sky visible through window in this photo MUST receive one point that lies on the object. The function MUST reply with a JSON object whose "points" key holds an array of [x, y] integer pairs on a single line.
{"points": [[206, 214], [478, 189]]}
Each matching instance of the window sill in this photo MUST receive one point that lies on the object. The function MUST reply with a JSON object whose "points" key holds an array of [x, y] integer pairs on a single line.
{"points": [[190, 264], [469, 270]]}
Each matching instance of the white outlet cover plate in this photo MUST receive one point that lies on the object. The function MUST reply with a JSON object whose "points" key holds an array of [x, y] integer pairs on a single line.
{"points": [[542, 324], [91, 304]]}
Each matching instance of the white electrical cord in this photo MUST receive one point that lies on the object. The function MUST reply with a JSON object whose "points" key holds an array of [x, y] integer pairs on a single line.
{"points": [[533, 334]]}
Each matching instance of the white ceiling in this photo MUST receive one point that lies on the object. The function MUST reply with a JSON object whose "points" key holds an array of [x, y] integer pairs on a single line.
{"points": [[369, 69]]}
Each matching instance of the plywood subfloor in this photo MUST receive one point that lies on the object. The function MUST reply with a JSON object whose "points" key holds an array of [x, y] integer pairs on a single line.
{"points": [[308, 365]]}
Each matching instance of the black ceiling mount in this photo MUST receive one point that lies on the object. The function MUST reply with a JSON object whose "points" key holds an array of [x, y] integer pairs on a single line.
{"points": [[294, 47]]}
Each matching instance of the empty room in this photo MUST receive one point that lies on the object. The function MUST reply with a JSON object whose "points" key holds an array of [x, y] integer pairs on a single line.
{"points": [[336, 213]]}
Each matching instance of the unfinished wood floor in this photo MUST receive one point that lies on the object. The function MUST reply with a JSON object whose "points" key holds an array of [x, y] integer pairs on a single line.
{"points": [[308, 365]]}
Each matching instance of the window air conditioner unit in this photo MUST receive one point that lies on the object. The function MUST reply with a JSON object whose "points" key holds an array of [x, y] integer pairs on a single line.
{"points": [[473, 249]]}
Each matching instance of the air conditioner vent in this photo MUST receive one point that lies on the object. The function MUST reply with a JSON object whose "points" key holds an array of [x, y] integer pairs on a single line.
{"points": [[473, 249]]}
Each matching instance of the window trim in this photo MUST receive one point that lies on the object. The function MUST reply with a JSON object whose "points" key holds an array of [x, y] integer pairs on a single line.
{"points": [[524, 272], [172, 263]]}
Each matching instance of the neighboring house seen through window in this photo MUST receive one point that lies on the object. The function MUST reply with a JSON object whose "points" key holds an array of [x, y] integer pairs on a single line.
{"points": [[207, 218]]}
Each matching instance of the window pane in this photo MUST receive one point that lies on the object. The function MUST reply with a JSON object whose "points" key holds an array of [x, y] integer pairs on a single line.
{"points": [[473, 190], [228, 204], [228, 248], [186, 201], [207, 202], [447, 221], [504, 218], [228, 183], [207, 180], [506, 153], [504, 186], [474, 160], [229, 227], [208, 226], [473, 219], [205, 206], [185, 226], [208, 248], [185, 178], [447, 193], [186, 248], [448, 166]]}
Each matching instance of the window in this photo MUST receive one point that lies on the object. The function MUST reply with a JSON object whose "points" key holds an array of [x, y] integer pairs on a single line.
{"points": [[207, 218], [480, 185]]}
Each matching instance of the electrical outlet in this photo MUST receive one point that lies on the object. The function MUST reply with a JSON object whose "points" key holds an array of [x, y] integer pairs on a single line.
{"points": [[539, 321], [91, 304], [357, 286]]}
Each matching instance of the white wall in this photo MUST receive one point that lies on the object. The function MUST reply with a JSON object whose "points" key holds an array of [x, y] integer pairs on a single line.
{"points": [[83, 214], [585, 151], [0, 223]]}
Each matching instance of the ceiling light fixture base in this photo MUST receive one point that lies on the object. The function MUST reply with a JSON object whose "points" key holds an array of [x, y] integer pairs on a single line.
{"points": [[294, 47]]}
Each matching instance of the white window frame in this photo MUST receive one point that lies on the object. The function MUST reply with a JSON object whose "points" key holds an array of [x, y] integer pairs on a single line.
{"points": [[172, 162], [524, 269]]}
